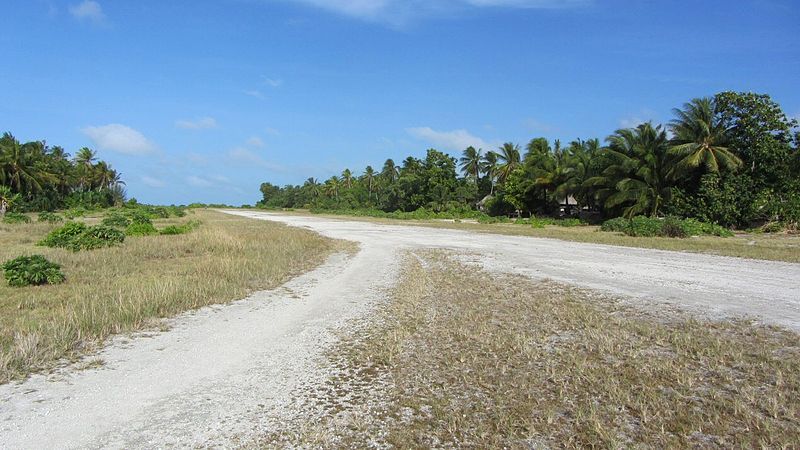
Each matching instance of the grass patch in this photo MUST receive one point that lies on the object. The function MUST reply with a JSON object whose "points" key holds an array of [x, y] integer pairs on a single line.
{"points": [[463, 359], [124, 288], [773, 247]]}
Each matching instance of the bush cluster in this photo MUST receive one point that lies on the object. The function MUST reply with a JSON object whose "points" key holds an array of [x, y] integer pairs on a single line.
{"points": [[49, 217], [180, 229], [541, 222], [15, 217], [32, 270], [77, 236], [641, 226]]}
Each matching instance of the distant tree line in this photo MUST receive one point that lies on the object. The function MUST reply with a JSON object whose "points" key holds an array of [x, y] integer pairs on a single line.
{"points": [[730, 159], [36, 177]]}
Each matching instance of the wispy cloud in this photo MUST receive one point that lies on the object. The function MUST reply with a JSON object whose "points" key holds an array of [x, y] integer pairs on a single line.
{"points": [[455, 140], [203, 123], [272, 82], [538, 126], [153, 182], [196, 181], [399, 12], [254, 93], [242, 155], [272, 131], [119, 138], [634, 120], [88, 10], [255, 141]]}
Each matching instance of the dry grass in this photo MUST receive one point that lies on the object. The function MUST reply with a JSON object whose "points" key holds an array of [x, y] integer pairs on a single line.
{"points": [[463, 359], [126, 288], [773, 247]]}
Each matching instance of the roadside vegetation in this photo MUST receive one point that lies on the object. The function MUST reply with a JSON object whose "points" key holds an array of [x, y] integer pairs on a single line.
{"points": [[135, 281], [460, 358], [730, 160]]}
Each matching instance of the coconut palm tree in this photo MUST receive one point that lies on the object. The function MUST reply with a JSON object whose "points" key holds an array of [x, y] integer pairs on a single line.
{"points": [[489, 167], [311, 185], [470, 163], [347, 178], [332, 186], [700, 139], [639, 174], [369, 178], [21, 165], [509, 159], [390, 171]]}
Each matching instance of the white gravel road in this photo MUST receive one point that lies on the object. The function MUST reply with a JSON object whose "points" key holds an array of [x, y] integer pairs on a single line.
{"points": [[225, 373]]}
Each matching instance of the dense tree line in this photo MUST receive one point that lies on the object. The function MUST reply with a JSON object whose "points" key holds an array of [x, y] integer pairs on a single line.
{"points": [[36, 177], [730, 159]]}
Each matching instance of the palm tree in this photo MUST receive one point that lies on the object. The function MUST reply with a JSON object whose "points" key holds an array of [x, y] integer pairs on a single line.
{"points": [[332, 186], [20, 165], [347, 178], [639, 174], [700, 139], [509, 158], [390, 171], [489, 167], [369, 177], [470, 163], [86, 157], [7, 199], [312, 186]]}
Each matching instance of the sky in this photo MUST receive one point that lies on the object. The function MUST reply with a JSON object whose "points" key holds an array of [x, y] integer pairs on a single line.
{"points": [[203, 100]]}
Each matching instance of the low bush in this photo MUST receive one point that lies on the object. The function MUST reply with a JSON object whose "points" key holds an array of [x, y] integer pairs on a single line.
{"points": [[15, 217], [49, 217], [617, 224], [74, 213], [138, 217], [641, 226], [32, 271], [180, 229], [116, 219], [77, 236], [141, 229]]}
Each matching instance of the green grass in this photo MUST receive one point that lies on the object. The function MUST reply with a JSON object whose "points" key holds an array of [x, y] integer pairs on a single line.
{"points": [[131, 286], [773, 247], [460, 358]]}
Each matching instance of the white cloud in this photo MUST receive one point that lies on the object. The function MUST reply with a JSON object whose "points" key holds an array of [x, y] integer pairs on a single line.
{"points": [[153, 182], [88, 10], [456, 140], [272, 82], [245, 156], [398, 12], [194, 180], [255, 141], [202, 123], [119, 138], [255, 93]]}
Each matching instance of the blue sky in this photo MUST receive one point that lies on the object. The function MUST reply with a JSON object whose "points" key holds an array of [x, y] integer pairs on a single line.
{"points": [[203, 100]]}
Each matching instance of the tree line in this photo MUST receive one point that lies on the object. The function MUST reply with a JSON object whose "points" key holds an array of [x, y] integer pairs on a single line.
{"points": [[730, 159], [37, 177]]}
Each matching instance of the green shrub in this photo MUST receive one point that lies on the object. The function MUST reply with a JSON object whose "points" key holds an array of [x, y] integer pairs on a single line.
{"points": [[99, 236], [74, 213], [77, 236], [15, 217], [116, 219], [673, 227], [617, 224], [180, 229], [138, 217], [642, 226], [141, 229], [49, 217], [32, 270]]}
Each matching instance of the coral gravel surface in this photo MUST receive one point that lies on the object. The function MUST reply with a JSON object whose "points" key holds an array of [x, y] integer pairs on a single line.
{"points": [[225, 374]]}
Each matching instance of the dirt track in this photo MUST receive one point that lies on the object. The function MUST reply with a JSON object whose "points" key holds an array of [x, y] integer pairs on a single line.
{"points": [[225, 373]]}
